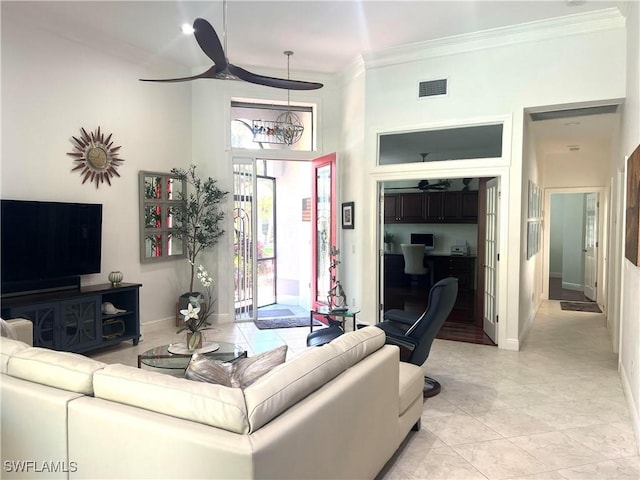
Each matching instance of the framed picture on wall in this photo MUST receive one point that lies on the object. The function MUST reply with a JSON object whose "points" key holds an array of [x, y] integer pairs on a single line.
{"points": [[347, 215], [632, 233]]}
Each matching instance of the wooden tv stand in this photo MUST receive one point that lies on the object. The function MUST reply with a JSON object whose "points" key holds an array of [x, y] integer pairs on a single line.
{"points": [[72, 320]]}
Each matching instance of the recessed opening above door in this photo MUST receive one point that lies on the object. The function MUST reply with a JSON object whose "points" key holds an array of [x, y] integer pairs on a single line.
{"points": [[461, 143]]}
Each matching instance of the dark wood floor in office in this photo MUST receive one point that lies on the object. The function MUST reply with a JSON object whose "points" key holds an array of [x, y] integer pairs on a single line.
{"points": [[456, 328]]}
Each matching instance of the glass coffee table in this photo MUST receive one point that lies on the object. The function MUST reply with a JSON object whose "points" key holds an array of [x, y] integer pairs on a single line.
{"points": [[161, 357]]}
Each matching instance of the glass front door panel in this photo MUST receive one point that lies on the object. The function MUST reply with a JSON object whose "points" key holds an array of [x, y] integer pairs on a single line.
{"points": [[323, 231], [243, 260]]}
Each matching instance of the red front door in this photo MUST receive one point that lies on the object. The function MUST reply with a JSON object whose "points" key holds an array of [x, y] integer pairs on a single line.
{"points": [[323, 222]]}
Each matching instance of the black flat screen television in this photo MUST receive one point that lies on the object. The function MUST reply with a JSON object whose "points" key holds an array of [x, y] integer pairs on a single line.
{"points": [[41, 241]]}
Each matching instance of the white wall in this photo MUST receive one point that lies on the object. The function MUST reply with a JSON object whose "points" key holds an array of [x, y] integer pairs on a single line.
{"points": [[351, 188], [444, 235], [51, 87], [486, 82], [530, 268], [629, 360]]}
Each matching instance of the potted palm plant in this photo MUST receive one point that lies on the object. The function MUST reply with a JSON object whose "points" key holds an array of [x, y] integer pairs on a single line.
{"points": [[198, 222]]}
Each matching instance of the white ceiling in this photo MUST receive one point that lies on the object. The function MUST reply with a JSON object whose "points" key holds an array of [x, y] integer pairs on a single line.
{"points": [[326, 36]]}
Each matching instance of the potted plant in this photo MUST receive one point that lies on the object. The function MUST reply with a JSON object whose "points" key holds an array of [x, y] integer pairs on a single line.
{"points": [[198, 309], [388, 241], [198, 222]]}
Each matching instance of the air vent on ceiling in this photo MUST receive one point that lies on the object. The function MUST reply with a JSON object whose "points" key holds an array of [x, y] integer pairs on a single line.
{"points": [[576, 112], [432, 88]]}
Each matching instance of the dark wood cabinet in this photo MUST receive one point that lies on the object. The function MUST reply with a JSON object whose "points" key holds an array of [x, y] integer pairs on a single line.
{"points": [[404, 208], [469, 206], [431, 207], [72, 320], [442, 207]]}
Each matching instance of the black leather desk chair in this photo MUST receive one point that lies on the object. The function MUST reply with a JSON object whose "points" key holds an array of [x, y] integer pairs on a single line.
{"points": [[414, 334]]}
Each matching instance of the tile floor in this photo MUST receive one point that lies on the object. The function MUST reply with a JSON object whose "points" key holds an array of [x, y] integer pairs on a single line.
{"points": [[554, 410]]}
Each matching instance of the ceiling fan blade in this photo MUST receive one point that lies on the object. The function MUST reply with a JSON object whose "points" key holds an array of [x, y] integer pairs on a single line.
{"points": [[209, 42], [274, 82], [211, 73]]}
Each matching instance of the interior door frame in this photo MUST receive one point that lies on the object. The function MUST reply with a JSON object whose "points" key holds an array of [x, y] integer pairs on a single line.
{"points": [[377, 220], [601, 262]]}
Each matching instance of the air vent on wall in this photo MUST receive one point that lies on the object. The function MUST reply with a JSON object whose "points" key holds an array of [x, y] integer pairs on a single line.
{"points": [[432, 88]]}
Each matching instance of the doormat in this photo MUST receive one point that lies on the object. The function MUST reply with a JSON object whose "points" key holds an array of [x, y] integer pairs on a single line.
{"points": [[581, 307], [285, 322], [276, 312]]}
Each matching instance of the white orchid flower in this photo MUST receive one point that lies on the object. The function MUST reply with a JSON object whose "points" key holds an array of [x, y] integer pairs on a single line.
{"points": [[190, 312]]}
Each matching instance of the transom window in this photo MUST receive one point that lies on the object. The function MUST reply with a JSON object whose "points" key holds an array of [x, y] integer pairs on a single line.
{"points": [[272, 127]]}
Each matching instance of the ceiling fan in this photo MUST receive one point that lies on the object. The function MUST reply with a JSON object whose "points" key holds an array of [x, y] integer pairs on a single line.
{"points": [[208, 40], [425, 185]]}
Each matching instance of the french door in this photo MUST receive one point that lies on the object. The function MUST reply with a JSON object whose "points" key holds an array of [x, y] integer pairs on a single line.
{"points": [[254, 231], [323, 224], [490, 316], [590, 249]]}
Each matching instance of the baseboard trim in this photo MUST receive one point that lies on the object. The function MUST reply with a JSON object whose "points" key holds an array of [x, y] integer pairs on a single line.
{"points": [[633, 408], [573, 286], [511, 344], [527, 326], [155, 325]]}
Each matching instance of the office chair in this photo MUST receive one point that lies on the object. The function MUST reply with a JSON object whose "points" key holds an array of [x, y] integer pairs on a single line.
{"points": [[414, 334], [413, 254]]}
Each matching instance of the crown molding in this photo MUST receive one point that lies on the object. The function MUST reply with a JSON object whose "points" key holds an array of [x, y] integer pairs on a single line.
{"points": [[605, 19]]}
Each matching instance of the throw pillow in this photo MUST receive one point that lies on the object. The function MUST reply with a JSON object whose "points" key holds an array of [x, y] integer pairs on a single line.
{"points": [[238, 374], [6, 330]]}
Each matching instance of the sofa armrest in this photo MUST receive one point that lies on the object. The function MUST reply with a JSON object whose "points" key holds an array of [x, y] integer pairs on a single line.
{"points": [[406, 344], [22, 329]]}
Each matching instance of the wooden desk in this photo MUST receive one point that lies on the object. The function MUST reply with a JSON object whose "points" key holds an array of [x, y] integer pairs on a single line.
{"points": [[398, 294]]}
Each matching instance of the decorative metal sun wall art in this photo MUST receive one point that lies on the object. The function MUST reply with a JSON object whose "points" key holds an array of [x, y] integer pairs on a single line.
{"points": [[95, 157]]}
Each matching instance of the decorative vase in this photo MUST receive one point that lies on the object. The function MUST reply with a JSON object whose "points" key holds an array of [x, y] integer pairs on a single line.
{"points": [[194, 340], [115, 278]]}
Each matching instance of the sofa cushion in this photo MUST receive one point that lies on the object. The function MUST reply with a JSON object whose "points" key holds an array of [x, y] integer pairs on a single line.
{"points": [[359, 344], [289, 383], [238, 374], [65, 370], [8, 348], [210, 404], [411, 384]]}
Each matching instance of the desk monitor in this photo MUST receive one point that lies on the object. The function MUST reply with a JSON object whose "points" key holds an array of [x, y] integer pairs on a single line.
{"points": [[425, 238]]}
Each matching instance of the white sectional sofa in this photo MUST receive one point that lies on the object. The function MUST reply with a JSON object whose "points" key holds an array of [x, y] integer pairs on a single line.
{"points": [[336, 411]]}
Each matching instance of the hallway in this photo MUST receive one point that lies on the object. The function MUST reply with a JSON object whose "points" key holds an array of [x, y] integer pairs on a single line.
{"points": [[554, 410]]}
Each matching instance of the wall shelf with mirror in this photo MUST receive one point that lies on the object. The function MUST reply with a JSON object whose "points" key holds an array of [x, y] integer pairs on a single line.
{"points": [[159, 194]]}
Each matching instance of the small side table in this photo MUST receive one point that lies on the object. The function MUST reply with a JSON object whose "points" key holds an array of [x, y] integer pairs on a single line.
{"points": [[337, 314]]}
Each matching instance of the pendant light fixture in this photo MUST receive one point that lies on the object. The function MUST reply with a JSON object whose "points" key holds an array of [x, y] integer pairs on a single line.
{"points": [[290, 126]]}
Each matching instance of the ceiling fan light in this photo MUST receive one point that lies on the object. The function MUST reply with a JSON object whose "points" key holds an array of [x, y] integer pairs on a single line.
{"points": [[187, 29]]}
